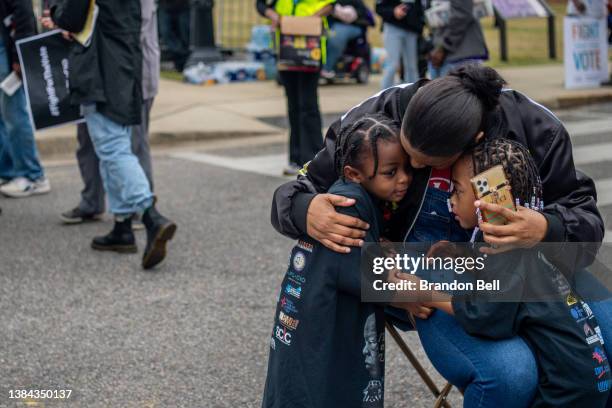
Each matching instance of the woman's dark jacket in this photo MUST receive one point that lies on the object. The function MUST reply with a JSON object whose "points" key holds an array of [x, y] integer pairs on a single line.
{"points": [[413, 21], [24, 24], [570, 196], [109, 71]]}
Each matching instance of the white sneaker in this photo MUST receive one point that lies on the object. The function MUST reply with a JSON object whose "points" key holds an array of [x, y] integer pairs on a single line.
{"points": [[22, 187]]}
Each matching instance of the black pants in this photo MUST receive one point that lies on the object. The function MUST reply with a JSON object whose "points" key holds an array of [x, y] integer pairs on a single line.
{"points": [[305, 138]]}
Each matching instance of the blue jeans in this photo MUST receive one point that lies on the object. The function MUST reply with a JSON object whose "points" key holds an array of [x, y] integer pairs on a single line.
{"points": [[124, 181], [337, 40], [400, 45], [18, 152], [446, 67]]}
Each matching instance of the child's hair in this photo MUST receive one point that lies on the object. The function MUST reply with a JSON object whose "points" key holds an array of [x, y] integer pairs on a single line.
{"points": [[518, 165], [353, 141]]}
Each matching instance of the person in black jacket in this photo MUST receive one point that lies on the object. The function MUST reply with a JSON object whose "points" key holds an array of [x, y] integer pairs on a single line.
{"points": [[403, 22], [348, 21], [21, 173], [106, 80], [440, 119]]}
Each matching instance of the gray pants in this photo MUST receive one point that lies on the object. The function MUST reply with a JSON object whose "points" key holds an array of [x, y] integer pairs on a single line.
{"points": [[92, 195]]}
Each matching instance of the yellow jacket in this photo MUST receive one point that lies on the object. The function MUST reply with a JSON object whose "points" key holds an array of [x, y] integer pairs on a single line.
{"points": [[300, 8]]}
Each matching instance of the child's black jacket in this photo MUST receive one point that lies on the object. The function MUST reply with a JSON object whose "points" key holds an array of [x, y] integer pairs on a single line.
{"points": [[327, 348], [560, 329]]}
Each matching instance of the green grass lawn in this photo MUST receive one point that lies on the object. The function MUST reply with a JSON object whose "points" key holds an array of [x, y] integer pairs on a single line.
{"points": [[527, 38]]}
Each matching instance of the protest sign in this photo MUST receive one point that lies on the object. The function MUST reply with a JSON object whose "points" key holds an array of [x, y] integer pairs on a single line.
{"points": [[45, 72], [586, 52]]}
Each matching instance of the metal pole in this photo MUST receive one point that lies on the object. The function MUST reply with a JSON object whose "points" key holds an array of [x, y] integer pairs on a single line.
{"points": [[552, 38], [503, 39]]}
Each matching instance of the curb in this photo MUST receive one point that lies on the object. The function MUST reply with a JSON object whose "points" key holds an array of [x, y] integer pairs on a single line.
{"points": [[67, 144], [570, 101]]}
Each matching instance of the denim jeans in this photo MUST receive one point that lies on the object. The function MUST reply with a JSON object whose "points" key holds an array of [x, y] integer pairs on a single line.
{"points": [[337, 40], [400, 45], [18, 152], [125, 182]]}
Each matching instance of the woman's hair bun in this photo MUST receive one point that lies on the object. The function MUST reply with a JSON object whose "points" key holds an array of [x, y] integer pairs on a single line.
{"points": [[484, 82]]}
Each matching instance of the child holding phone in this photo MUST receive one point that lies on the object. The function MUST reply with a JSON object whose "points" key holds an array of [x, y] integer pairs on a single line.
{"points": [[557, 324], [327, 347]]}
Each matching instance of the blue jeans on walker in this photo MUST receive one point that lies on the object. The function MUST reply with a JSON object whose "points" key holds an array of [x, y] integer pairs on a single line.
{"points": [[124, 179], [337, 40], [18, 152]]}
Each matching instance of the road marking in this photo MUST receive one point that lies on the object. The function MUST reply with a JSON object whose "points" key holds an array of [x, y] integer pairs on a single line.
{"points": [[592, 153], [577, 129], [269, 165], [583, 128], [604, 191], [608, 237]]}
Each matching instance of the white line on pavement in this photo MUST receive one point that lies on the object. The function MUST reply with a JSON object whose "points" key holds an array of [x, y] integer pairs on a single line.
{"points": [[604, 191], [269, 165], [608, 237], [576, 129], [592, 153]]}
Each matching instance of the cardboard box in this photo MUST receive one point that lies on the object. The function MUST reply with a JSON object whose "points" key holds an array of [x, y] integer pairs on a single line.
{"points": [[300, 43]]}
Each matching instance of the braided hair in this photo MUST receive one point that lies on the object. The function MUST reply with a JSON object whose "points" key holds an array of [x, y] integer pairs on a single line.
{"points": [[518, 165], [355, 141]]}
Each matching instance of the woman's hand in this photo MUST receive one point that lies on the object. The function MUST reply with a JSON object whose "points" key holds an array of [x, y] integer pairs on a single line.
{"points": [[437, 57], [525, 229], [46, 20], [274, 18], [400, 11], [336, 231]]}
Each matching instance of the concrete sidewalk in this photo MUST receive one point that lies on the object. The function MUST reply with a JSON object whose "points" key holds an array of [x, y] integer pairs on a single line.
{"points": [[184, 112]]}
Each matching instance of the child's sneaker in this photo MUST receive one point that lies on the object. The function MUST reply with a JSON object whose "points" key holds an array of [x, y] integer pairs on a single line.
{"points": [[21, 187]]}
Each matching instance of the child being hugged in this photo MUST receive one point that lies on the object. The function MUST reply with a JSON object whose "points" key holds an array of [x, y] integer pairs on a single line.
{"points": [[327, 347], [557, 324]]}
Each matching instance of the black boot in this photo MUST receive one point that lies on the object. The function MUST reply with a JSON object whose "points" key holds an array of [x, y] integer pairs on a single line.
{"points": [[120, 239], [159, 231]]}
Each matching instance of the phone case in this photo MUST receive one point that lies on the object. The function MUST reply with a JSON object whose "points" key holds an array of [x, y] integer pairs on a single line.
{"points": [[492, 186]]}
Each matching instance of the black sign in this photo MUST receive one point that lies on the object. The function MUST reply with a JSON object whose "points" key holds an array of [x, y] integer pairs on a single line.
{"points": [[45, 72]]}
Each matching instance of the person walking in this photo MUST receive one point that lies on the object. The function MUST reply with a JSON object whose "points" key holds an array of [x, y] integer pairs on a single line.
{"points": [[301, 88], [110, 95], [21, 174], [92, 204], [459, 42], [402, 26]]}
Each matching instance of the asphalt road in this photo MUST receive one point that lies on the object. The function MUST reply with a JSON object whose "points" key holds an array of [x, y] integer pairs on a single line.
{"points": [[195, 331]]}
